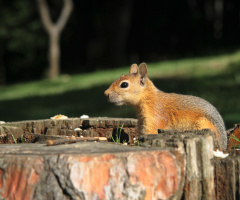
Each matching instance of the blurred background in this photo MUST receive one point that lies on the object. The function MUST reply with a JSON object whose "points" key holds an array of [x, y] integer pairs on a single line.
{"points": [[59, 56]]}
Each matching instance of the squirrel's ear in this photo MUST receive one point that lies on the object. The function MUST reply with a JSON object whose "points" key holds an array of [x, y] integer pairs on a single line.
{"points": [[133, 69], [143, 73]]}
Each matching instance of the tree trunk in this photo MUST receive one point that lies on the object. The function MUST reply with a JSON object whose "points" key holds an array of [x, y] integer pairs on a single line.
{"points": [[54, 55], [54, 31]]}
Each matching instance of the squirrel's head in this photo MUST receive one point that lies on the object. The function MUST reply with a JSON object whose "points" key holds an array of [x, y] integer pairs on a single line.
{"points": [[128, 89]]}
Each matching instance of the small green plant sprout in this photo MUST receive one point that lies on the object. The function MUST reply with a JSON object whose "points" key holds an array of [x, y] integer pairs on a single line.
{"points": [[235, 138], [10, 133], [118, 134], [136, 142]]}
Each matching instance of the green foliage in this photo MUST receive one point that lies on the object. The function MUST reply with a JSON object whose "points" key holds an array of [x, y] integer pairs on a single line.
{"points": [[21, 27], [21, 39]]}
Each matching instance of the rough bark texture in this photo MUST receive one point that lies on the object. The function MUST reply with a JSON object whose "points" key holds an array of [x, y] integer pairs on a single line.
{"points": [[38, 130], [198, 146], [168, 165], [90, 171], [227, 178]]}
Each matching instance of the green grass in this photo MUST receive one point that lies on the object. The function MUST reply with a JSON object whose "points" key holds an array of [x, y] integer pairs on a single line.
{"points": [[117, 138], [214, 78]]}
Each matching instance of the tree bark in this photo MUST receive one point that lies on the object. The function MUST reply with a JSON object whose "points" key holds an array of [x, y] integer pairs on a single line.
{"points": [[54, 55], [54, 31]]}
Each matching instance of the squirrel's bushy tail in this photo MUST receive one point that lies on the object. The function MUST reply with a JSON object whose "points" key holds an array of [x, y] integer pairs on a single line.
{"points": [[213, 115], [219, 124]]}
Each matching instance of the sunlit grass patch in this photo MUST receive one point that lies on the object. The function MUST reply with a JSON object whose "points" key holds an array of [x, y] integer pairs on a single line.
{"points": [[214, 78]]}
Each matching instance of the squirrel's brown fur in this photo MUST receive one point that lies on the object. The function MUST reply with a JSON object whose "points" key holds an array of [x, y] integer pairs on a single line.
{"points": [[160, 110]]}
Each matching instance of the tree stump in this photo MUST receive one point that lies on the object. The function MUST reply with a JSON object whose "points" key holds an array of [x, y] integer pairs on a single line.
{"points": [[39, 130], [168, 165], [198, 147], [90, 171]]}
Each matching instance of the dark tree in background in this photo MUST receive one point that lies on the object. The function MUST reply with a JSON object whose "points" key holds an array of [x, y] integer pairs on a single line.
{"points": [[111, 29], [54, 31], [106, 34], [22, 41]]}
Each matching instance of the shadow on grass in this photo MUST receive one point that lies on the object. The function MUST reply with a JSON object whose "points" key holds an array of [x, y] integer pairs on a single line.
{"points": [[222, 91]]}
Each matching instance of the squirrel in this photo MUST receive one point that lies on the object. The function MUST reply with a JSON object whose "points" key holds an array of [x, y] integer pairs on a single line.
{"points": [[160, 110]]}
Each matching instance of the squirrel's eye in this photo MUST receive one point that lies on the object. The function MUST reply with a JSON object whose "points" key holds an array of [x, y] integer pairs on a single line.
{"points": [[124, 85]]}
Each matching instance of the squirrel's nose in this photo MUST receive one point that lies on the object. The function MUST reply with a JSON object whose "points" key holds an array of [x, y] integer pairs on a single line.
{"points": [[106, 94]]}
